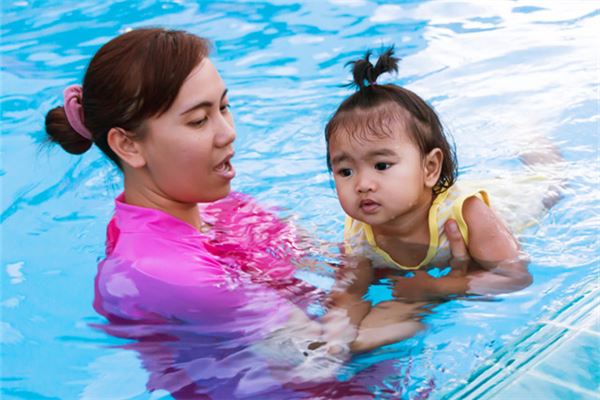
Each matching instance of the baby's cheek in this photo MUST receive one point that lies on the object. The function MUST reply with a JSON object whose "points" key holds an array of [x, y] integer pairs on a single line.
{"points": [[340, 190], [345, 197], [348, 208]]}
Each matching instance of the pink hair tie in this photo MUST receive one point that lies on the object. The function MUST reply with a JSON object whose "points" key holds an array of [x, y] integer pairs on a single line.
{"points": [[74, 111]]}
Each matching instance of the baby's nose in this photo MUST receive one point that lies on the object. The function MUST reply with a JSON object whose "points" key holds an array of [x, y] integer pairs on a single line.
{"points": [[365, 184]]}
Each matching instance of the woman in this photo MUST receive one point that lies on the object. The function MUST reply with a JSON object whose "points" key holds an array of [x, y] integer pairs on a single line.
{"points": [[157, 107]]}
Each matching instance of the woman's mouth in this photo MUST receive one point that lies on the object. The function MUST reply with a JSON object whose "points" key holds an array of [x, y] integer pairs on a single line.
{"points": [[225, 169], [369, 206]]}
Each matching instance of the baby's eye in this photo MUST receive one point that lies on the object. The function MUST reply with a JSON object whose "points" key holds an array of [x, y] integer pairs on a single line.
{"points": [[381, 166], [345, 172]]}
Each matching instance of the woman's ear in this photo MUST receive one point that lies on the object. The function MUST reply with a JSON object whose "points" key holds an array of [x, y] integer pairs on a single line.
{"points": [[124, 146], [432, 165]]}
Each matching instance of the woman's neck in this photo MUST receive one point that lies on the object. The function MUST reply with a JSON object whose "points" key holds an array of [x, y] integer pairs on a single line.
{"points": [[144, 196]]}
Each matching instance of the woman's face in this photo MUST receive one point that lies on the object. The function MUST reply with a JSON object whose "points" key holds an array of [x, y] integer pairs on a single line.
{"points": [[188, 148]]}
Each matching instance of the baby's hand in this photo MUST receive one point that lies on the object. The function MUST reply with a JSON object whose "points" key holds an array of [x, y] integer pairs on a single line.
{"points": [[337, 327], [420, 287]]}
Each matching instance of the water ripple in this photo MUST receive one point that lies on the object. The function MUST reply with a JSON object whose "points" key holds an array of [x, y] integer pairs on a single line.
{"points": [[499, 73]]}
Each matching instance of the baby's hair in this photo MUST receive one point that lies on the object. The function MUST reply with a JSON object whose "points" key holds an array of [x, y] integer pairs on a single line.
{"points": [[373, 108], [133, 77], [363, 71]]}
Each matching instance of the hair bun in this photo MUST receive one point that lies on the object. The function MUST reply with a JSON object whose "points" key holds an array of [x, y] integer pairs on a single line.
{"points": [[364, 73], [60, 131]]}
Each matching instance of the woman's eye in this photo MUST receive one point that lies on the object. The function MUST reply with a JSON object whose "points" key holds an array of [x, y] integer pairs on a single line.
{"points": [[198, 122], [225, 107], [345, 172], [381, 166]]}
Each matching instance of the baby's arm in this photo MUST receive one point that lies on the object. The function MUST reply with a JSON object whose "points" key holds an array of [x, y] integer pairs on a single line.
{"points": [[497, 266], [490, 241], [352, 320], [493, 247], [388, 322], [347, 306]]}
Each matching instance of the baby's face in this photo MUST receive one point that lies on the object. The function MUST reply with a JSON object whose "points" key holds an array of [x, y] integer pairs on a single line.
{"points": [[378, 179]]}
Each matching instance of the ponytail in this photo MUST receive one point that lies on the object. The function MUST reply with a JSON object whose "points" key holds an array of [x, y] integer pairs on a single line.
{"points": [[365, 74]]}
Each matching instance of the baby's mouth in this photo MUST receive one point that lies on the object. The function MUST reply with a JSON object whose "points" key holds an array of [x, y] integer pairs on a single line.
{"points": [[369, 206]]}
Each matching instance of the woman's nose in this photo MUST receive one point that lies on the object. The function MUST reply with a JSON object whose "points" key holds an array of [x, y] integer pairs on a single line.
{"points": [[226, 132]]}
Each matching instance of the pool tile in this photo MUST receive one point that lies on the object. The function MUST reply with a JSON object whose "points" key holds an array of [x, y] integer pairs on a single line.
{"points": [[576, 361], [594, 324], [529, 386]]}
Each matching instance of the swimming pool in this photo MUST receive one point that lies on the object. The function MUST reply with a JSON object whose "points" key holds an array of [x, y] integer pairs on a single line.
{"points": [[497, 72]]}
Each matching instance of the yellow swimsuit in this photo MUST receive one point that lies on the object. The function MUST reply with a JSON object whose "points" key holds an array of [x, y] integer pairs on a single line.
{"points": [[360, 240]]}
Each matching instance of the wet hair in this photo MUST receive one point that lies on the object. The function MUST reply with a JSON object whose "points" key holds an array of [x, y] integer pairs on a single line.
{"points": [[133, 77], [374, 109]]}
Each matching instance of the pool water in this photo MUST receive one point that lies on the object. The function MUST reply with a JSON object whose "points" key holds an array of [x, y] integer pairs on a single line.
{"points": [[499, 74]]}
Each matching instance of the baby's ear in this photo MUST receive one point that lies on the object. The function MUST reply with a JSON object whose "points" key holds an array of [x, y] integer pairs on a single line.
{"points": [[432, 165]]}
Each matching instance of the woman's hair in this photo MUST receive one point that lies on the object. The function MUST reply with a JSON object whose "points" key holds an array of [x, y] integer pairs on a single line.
{"points": [[133, 77], [373, 109]]}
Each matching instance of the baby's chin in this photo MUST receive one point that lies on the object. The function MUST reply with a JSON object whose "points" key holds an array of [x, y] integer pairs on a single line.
{"points": [[367, 219], [374, 220]]}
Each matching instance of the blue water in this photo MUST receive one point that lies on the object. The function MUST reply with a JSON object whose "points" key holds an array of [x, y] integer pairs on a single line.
{"points": [[497, 72]]}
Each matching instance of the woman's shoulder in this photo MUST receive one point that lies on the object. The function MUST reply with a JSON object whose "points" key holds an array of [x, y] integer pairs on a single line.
{"points": [[239, 215], [236, 206], [155, 244], [141, 232]]}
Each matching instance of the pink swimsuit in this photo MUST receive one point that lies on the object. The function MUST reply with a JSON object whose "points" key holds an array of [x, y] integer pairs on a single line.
{"points": [[160, 269]]}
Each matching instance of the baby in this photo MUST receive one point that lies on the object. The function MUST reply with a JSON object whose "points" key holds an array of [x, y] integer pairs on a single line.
{"points": [[395, 176]]}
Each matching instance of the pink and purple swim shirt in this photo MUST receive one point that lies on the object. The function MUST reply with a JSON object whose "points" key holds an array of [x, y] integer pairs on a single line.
{"points": [[159, 269]]}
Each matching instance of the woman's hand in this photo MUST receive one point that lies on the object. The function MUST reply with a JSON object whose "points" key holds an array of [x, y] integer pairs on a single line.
{"points": [[422, 286], [461, 259], [506, 276], [496, 278]]}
